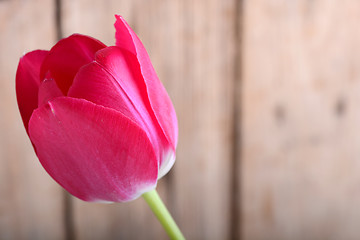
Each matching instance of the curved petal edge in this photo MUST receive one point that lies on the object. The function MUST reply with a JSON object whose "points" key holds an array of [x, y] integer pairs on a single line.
{"points": [[27, 83], [67, 56], [158, 97]]}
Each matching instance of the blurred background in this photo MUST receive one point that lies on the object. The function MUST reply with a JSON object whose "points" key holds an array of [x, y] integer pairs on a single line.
{"points": [[267, 95]]}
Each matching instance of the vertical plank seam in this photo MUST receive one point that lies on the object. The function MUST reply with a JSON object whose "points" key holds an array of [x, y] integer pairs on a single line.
{"points": [[58, 19], [68, 217], [235, 205], [67, 203]]}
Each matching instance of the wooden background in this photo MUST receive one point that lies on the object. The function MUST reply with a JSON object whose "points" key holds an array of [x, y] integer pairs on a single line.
{"points": [[268, 100]]}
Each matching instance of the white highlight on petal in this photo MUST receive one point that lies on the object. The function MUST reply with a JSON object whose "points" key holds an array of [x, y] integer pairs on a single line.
{"points": [[147, 187], [141, 189], [168, 162]]}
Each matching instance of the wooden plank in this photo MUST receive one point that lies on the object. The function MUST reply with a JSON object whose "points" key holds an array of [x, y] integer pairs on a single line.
{"points": [[300, 126], [203, 92], [191, 45], [30, 202]]}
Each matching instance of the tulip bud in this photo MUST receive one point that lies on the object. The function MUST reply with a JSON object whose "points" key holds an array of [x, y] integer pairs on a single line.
{"points": [[100, 121]]}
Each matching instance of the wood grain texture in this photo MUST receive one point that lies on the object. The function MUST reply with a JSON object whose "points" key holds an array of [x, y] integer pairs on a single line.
{"points": [[191, 44], [30, 202], [203, 94], [298, 102], [301, 114]]}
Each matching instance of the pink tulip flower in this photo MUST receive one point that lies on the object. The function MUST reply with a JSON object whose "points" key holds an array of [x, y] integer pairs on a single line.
{"points": [[99, 119]]}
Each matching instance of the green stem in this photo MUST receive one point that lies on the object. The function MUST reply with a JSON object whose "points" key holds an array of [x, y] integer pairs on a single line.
{"points": [[157, 206]]}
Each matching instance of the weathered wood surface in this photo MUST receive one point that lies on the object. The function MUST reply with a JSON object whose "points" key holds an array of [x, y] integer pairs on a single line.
{"points": [[269, 87], [300, 114], [30, 201]]}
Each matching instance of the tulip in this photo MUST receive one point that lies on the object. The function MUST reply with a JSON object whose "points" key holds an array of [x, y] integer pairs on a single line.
{"points": [[99, 119]]}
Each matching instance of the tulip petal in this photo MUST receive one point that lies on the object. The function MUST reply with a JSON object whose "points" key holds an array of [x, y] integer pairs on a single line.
{"points": [[109, 81], [113, 81], [159, 100], [27, 83], [95, 153], [48, 90], [67, 57]]}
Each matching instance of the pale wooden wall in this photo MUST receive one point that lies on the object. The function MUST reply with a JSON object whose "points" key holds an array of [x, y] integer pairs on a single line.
{"points": [[300, 99], [267, 94]]}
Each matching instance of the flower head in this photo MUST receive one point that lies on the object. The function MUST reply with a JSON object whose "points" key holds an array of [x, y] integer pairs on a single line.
{"points": [[100, 121]]}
